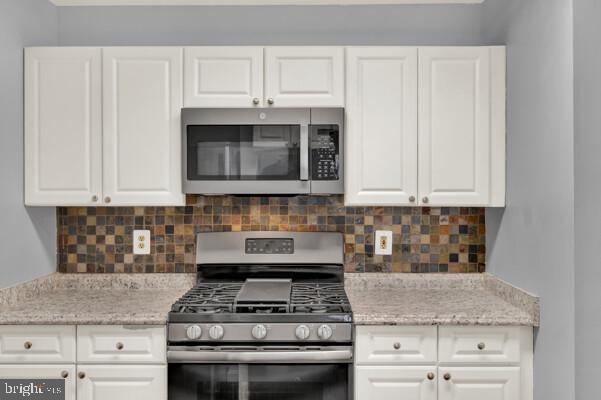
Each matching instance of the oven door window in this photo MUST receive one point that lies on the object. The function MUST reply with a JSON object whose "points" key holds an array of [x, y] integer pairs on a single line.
{"points": [[258, 381], [243, 152]]}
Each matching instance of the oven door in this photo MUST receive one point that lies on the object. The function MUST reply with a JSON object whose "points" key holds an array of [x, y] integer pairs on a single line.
{"points": [[301, 377], [245, 151]]}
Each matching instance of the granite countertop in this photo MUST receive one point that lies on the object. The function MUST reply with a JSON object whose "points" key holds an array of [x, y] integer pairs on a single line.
{"points": [[435, 299], [108, 299], [376, 299]]}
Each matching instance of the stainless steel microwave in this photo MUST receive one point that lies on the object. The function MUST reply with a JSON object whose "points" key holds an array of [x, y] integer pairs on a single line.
{"points": [[263, 151]]}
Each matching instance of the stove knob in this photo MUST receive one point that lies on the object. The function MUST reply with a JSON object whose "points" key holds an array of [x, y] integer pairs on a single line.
{"points": [[259, 332], [216, 332], [302, 332], [324, 332], [193, 332]]}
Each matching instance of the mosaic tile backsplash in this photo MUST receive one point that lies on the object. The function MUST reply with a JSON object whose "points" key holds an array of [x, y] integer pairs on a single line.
{"points": [[99, 239]]}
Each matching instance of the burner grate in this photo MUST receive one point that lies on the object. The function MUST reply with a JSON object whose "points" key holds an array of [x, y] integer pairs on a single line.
{"points": [[305, 298]]}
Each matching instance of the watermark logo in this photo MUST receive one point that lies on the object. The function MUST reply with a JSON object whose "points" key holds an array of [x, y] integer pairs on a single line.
{"points": [[32, 389]]}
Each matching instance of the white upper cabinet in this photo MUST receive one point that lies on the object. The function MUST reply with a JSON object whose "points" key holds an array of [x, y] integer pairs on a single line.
{"points": [[63, 126], [304, 76], [461, 126], [223, 76], [381, 126], [142, 101]]}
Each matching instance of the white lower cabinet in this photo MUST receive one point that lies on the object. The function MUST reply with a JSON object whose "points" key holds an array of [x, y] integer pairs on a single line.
{"points": [[110, 363], [477, 383], [395, 383], [123, 382], [31, 371], [443, 363]]}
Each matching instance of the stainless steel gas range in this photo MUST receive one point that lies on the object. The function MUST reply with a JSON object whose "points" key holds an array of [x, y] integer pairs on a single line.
{"points": [[268, 319]]}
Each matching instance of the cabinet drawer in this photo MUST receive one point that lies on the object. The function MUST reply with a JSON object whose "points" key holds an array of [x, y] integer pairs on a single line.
{"points": [[377, 345], [482, 344], [121, 344], [37, 344]]}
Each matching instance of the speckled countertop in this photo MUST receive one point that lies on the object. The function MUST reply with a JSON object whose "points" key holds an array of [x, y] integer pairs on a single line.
{"points": [[376, 299], [436, 299], [111, 299]]}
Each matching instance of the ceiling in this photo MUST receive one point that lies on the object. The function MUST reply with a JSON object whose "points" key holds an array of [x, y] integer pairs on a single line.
{"points": [[249, 2]]}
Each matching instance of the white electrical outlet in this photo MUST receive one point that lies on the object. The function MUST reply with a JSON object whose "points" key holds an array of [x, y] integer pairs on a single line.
{"points": [[142, 242], [383, 243]]}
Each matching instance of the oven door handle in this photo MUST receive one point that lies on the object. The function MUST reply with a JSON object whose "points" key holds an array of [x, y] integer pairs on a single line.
{"points": [[304, 152], [212, 356]]}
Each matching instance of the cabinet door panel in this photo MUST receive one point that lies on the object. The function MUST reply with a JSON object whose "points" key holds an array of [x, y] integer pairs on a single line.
{"points": [[381, 126], [477, 383], [454, 125], [229, 76], [112, 382], [32, 371], [304, 76], [63, 136], [142, 100], [395, 383]]}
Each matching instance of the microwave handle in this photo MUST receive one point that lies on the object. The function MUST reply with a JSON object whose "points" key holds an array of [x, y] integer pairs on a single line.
{"points": [[304, 152]]}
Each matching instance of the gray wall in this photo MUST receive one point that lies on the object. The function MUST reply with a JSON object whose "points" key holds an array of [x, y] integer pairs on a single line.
{"points": [[531, 242], [458, 24], [27, 235], [587, 145]]}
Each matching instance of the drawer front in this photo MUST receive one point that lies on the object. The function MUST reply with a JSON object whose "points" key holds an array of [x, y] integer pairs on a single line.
{"points": [[27, 371], [121, 344], [379, 345], [37, 344], [483, 344]]}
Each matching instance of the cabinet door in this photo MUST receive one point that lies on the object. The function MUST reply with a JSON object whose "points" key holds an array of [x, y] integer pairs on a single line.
{"points": [[63, 136], [33, 371], [395, 383], [113, 382], [223, 76], [456, 142], [381, 126], [142, 98], [477, 383], [304, 76]]}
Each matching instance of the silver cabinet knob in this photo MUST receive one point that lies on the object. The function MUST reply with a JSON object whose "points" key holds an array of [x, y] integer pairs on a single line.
{"points": [[270, 101], [324, 332], [302, 332], [425, 200], [481, 346], [397, 345], [259, 332], [94, 198], [65, 374], [430, 376], [447, 377], [193, 332], [27, 345], [216, 332], [81, 375], [412, 199], [107, 199], [256, 101], [119, 346]]}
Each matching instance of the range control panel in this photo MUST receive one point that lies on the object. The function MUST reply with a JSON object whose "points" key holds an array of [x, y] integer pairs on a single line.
{"points": [[269, 246]]}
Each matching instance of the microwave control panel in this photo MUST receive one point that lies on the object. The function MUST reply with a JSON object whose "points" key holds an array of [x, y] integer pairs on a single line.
{"points": [[325, 153]]}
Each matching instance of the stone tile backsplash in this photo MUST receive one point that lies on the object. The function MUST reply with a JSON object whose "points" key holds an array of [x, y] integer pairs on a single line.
{"points": [[99, 239]]}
